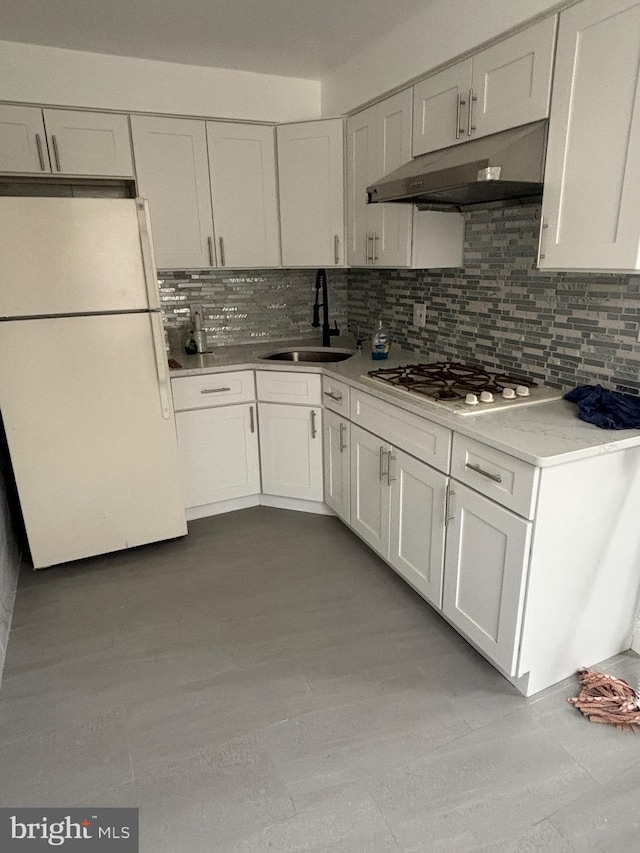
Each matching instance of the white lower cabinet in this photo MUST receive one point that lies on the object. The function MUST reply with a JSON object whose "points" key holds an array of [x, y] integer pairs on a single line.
{"points": [[291, 451], [336, 446], [487, 553], [397, 507], [219, 454]]}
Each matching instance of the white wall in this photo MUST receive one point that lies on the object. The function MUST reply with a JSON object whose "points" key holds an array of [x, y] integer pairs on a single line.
{"points": [[75, 78], [437, 34]]}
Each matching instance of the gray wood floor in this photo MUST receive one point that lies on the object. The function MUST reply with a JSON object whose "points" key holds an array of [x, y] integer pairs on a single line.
{"points": [[268, 684]]}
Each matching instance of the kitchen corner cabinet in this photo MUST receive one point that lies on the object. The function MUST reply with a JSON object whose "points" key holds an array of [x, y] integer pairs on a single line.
{"points": [[290, 434], [392, 235], [503, 86], [242, 166], [590, 211], [173, 174], [311, 185], [217, 438], [64, 142], [336, 436]]}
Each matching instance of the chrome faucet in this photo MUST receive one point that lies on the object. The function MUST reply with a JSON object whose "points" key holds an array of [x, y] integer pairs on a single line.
{"points": [[327, 331]]}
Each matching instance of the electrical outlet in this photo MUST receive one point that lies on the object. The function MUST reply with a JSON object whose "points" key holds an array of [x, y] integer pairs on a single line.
{"points": [[419, 315]]}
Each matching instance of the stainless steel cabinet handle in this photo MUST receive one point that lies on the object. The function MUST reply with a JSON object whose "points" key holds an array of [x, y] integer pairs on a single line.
{"points": [[375, 249], [333, 395], [252, 422], [392, 458], [221, 242], [497, 478], [210, 247], [369, 250], [451, 513], [314, 431], [460, 102], [40, 154], [543, 226], [381, 464], [471, 126], [214, 390], [56, 154], [336, 249], [343, 444]]}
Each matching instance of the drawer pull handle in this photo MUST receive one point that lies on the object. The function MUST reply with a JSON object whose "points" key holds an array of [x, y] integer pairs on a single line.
{"points": [[214, 390], [333, 395], [497, 478]]}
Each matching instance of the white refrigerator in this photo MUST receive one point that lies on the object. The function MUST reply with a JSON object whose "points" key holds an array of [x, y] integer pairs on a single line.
{"points": [[84, 384]]}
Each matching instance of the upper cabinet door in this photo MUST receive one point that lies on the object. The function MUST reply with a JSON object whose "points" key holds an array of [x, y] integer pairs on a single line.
{"points": [[23, 144], [512, 81], [440, 109], [590, 209], [88, 143], [310, 170], [242, 164], [360, 144], [173, 174], [392, 222]]}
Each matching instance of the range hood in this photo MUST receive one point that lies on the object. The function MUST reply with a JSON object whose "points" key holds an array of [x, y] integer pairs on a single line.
{"points": [[504, 168]]}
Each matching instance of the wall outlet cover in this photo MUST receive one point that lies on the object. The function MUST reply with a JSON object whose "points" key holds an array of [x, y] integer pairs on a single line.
{"points": [[419, 315]]}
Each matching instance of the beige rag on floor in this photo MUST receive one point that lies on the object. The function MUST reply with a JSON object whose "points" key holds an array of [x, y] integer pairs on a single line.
{"points": [[606, 699]]}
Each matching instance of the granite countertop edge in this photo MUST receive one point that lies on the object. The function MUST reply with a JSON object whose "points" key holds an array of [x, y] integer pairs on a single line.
{"points": [[542, 434]]}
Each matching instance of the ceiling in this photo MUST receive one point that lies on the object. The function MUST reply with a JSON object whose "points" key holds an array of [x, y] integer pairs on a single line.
{"points": [[295, 38]]}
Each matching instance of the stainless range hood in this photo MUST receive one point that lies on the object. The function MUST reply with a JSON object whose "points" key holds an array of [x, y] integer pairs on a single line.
{"points": [[504, 168]]}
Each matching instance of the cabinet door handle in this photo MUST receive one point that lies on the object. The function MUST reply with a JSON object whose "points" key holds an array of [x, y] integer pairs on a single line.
{"points": [[214, 390], [450, 509], [336, 249], [343, 444], [40, 153], [460, 102], [56, 153], [497, 478], [471, 126], [252, 422], [381, 464], [314, 431], [221, 242], [369, 259], [210, 247], [333, 396], [392, 458], [375, 249], [543, 226]]}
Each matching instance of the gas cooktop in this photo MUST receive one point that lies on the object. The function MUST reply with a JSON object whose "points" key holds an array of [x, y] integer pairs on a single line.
{"points": [[464, 389]]}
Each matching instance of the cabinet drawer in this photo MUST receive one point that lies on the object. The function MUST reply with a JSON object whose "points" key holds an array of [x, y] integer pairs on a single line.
{"points": [[509, 481], [212, 389], [280, 386], [335, 396], [419, 437]]}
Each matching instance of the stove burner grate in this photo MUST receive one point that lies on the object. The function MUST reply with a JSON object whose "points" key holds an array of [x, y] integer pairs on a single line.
{"points": [[449, 381]]}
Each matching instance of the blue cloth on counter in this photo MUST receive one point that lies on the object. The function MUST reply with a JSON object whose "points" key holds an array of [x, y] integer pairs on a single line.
{"points": [[606, 409]]}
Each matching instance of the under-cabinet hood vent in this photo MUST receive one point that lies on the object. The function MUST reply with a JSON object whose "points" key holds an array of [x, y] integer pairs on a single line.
{"points": [[504, 168]]}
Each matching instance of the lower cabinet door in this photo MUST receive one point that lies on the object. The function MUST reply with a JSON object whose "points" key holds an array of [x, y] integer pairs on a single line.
{"points": [[218, 453], [487, 554], [370, 492], [291, 451], [416, 548], [337, 471]]}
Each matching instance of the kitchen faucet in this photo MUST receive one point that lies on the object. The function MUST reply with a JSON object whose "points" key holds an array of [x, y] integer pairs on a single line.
{"points": [[327, 331]]}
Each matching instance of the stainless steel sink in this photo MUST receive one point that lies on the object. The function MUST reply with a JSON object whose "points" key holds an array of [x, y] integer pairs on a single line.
{"points": [[310, 354]]}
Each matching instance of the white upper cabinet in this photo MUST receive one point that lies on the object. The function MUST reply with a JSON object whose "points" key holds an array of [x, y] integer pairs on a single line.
{"points": [[242, 165], [591, 215], [173, 174], [504, 86], [311, 182], [66, 142]]}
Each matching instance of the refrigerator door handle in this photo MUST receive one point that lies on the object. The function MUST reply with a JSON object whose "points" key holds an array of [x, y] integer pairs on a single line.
{"points": [[162, 368], [148, 262]]}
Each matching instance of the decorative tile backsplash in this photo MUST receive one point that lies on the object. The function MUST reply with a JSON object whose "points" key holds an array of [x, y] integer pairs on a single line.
{"points": [[244, 306], [566, 329]]}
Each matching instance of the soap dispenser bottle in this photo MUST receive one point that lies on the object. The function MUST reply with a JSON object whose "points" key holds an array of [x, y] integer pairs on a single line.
{"points": [[380, 343]]}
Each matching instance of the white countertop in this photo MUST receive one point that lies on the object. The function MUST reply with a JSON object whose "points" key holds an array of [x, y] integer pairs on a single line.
{"points": [[543, 434]]}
